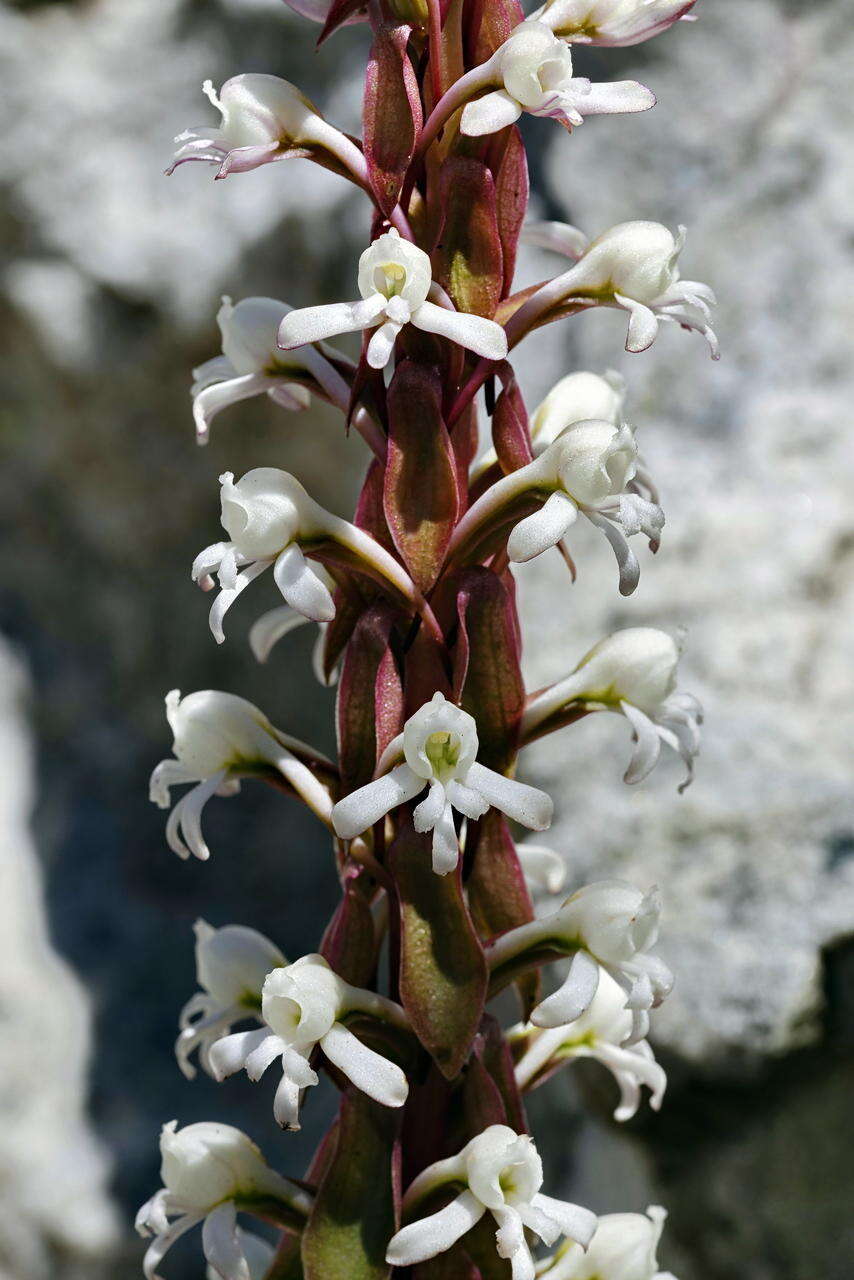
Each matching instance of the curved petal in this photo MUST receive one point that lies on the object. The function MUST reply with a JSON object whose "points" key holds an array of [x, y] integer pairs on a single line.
{"points": [[431, 808], [560, 237], [445, 848], [228, 595], [160, 1246], [167, 774], [262, 1056], [490, 113], [643, 324], [627, 561], [369, 1071], [184, 824], [469, 803], [484, 337], [221, 1245], [382, 343], [571, 1219], [428, 1237], [647, 748], [301, 586], [286, 1104], [312, 324], [572, 997], [271, 627], [361, 809], [289, 395], [543, 868], [543, 529], [528, 805], [229, 1054], [211, 400]]}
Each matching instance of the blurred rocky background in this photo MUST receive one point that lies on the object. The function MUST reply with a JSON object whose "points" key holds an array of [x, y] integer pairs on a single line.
{"points": [[107, 297]]}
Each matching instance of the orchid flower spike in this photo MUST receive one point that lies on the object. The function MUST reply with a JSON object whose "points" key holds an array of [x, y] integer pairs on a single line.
{"points": [[633, 266], [218, 739], [624, 1247], [612, 22], [210, 1173], [634, 673], [304, 1006], [590, 469], [270, 518], [500, 1173], [534, 71], [252, 365], [608, 925], [599, 1033], [439, 744], [395, 280], [264, 119], [231, 965]]}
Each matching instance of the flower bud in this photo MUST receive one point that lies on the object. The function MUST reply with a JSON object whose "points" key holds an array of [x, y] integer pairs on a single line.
{"points": [[623, 1247], [578, 397]]}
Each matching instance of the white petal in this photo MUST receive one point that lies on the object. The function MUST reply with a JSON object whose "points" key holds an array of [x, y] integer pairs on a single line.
{"points": [[361, 809], [445, 847], [469, 803], [184, 825], [262, 1056], [572, 997], [572, 1219], [382, 343], [613, 99], [647, 748], [528, 805], [369, 1071], [163, 1243], [431, 808], [168, 773], [211, 400], [301, 586], [226, 598], [431, 1236], [289, 395], [490, 113], [229, 1054], [221, 1245], [643, 324], [286, 1104], [627, 561], [560, 237], [484, 337], [542, 529], [271, 627], [297, 1067], [543, 868], [312, 324]]}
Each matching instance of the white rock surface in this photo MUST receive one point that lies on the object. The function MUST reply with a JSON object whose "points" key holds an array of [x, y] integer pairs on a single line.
{"points": [[53, 1173], [755, 461]]}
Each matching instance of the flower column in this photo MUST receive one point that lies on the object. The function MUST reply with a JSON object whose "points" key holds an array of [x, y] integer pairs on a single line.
{"points": [[429, 1169]]}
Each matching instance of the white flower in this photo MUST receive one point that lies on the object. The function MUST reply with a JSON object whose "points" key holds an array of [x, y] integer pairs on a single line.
{"points": [[270, 517], [501, 1174], [231, 965], [634, 673], [264, 118], [439, 744], [612, 22], [600, 1032], [633, 266], [209, 1172], [252, 365], [544, 869], [394, 280], [623, 1247], [219, 738], [591, 469], [303, 1006], [579, 397], [534, 69], [608, 925]]}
